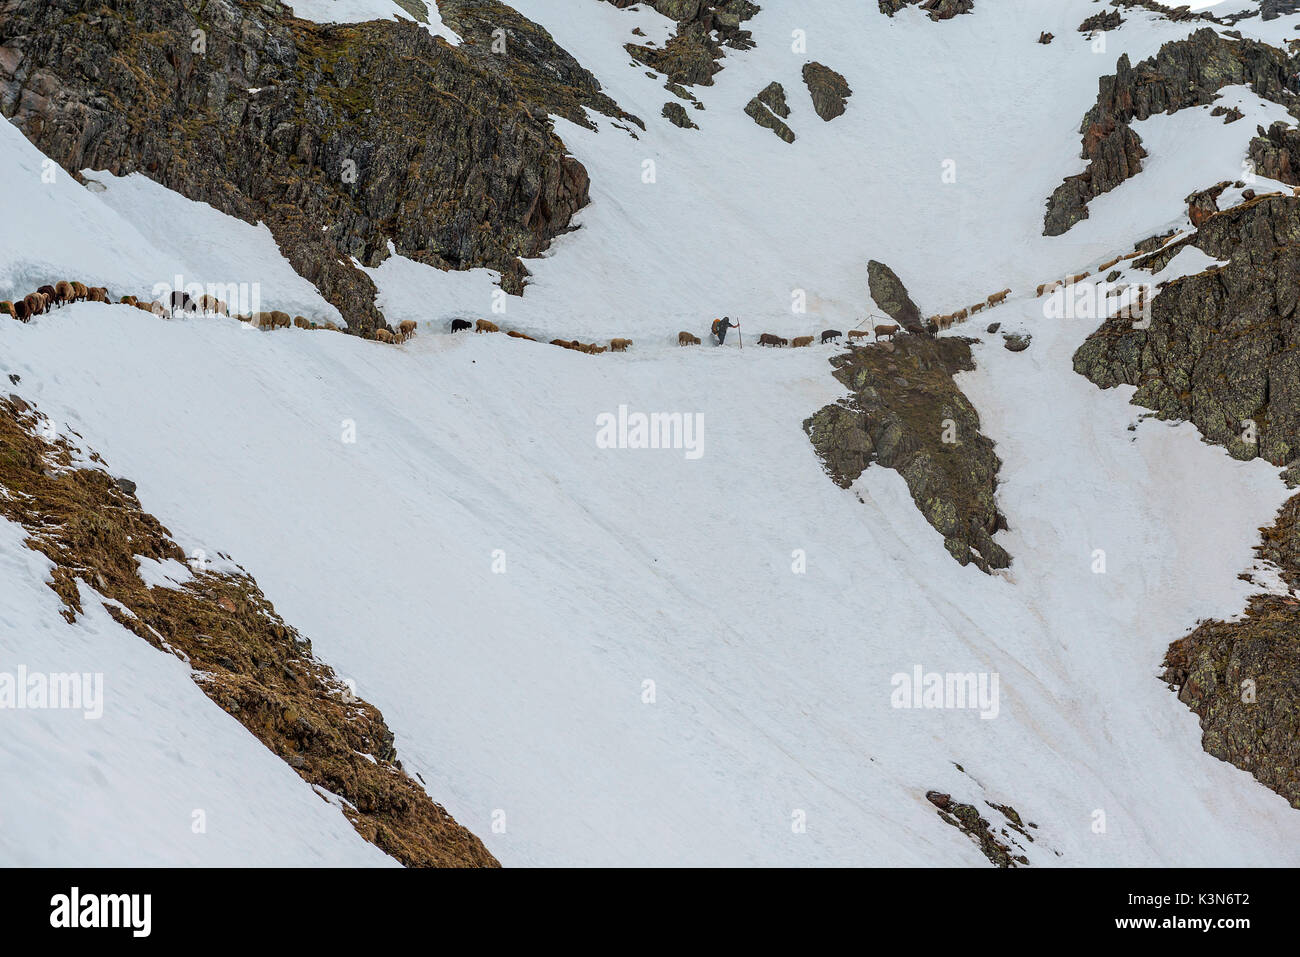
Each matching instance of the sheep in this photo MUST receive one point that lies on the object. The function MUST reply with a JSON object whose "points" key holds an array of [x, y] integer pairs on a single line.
{"points": [[383, 335], [98, 294], [1049, 287], [830, 335], [961, 316], [619, 345], [157, 308], [79, 291], [944, 322], [458, 324], [889, 330], [49, 292], [21, 312], [1108, 265], [976, 308], [127, 301], [998, 297], [767, 339], [485, 325], [1079, 278], [64, 292], [576, 346], [561, 342], [858, 333], [143, 306], [281, 320], [686, 339], [800, 341], [406, 328], [301, 322], [7, 309], [35, 304], [263, 320], [512, 334], [181, 302], [328, 326]]}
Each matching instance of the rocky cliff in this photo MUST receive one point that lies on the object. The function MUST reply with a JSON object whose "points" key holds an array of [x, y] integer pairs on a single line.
{"points": [[341, 139], [1182, 74]]}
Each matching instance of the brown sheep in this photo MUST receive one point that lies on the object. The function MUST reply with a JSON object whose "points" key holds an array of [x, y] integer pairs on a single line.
{"points": [[21, 313], [79, 292], [800, 341], [485, 325], [98, 294], [619, 345], [889, 331], [768, 339], [406, 328], [142, 305], [686, 339], [561, 342], [961, 316], [63, 291], [858, 333], [301, 322], [35, 304], [1108, 265], [976, 308], [576, 346], [263, 320], [50, 294], [327, 325], [127, 301], [157, 308], [1049, 287], [281, 320], [383, 335], [1079, 278], [7, 309], [998, 297], [943, 322], [512, 334]]}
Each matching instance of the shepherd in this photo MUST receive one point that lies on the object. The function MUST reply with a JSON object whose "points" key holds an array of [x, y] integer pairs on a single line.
{"points": [[720, 327]]}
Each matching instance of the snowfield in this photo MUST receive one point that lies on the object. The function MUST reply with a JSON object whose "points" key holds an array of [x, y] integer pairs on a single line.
{"points": [[613, 652]]}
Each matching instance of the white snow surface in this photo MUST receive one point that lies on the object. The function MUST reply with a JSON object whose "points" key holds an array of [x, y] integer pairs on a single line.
{"points": [[358, 11], [522, 692]]}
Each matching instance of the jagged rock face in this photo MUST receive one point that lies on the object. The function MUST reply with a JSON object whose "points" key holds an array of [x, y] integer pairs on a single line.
{"points": [[1107, 20], [1183, 73], [829, 90], [1243, 677], [377, 131], [906, 413], [676, 114], [935, 9], [1204, 203], [891, 295], [704, 28], [1276, 153], [1222, 346], [768, 108]]}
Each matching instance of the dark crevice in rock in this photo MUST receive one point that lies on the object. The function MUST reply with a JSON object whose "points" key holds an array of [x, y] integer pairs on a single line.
{"points": [[906, 413], [1184, 73]]}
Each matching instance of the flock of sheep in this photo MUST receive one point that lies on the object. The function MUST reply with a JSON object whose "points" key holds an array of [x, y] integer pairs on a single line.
{"points": [[486, 325]]}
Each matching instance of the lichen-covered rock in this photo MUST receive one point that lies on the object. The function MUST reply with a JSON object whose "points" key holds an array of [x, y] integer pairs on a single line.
{"points": [[768, 109], [1106, 20], [1204, 203], [1276, 153], [935, 9], [296, 124], [1183, 73], [906, 413], [829, 90], [1015, 341], [676, 114], [1222, 348], [891, 295], [693, 54], [1242, 677]]}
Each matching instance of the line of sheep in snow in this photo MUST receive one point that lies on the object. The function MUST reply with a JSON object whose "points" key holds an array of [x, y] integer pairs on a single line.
{"points": [[591, 348]]}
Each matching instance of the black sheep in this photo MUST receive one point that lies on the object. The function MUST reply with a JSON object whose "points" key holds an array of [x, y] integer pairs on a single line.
{"points": [[458, 325], [829, 335]]}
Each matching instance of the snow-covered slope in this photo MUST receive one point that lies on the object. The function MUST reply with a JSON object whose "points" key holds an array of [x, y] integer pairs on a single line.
{"points": [[503, 588]]}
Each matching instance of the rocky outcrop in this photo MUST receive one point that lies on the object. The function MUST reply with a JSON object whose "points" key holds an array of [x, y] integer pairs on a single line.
{"points": [[676, 114], [1182, 74], [1276, 153], [935, 9], [768, 109], [829, 90], [1242, 677], [1204, 203], [967, 819], [704, 31], [270, 118], [905, 412], [891, 295], [1106, 20], [1223, 346], [246, 658]]}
